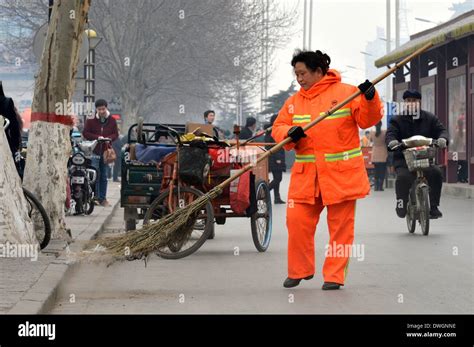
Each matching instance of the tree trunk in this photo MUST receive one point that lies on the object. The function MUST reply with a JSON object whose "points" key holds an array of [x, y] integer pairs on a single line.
{"points": [[130, 113], [49, 144], [15, 225]]}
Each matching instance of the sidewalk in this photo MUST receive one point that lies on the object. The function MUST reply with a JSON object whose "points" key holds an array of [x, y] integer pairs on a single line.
{"points": [[29, 287]]}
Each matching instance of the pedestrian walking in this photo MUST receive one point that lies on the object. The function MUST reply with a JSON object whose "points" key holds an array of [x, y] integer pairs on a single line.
{"points": [[276, 164], [102, 125], [379, 155]]}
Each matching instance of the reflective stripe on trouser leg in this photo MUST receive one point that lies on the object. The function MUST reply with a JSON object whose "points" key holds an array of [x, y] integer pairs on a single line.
{"points": [[340, 219], [301, 220]]}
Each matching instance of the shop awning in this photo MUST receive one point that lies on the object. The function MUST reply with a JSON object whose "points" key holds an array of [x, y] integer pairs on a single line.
{"points": [[454, 29]]}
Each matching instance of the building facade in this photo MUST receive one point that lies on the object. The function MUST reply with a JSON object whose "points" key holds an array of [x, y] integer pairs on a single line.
{"points": [[445, 77]]}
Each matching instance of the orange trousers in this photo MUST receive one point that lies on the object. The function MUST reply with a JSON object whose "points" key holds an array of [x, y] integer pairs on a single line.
{"points": [[301, 221]]}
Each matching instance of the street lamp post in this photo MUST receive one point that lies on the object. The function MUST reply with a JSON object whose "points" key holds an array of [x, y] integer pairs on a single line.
{"points": [[388, 81], [89, 72]]}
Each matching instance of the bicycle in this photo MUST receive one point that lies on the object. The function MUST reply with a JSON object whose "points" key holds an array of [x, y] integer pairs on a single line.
{"points": [[419, 153]]}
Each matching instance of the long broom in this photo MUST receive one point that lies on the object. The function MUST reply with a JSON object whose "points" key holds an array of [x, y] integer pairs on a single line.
{"points": [[176, 228]]}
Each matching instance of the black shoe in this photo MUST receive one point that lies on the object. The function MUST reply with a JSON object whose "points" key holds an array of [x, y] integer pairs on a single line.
{"points": [[435, 212], [279, 201], [291, 282], [331, 286], [401, 211]]}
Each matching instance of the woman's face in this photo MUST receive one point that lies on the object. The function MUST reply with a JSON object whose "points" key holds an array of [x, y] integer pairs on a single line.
{"points": [[305, 77]]}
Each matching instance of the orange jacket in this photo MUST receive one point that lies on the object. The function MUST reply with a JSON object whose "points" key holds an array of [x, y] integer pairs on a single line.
{"points": [[329, 160]]}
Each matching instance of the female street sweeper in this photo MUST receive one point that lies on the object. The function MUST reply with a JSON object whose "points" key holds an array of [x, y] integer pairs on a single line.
{"points": [[329, 170]]}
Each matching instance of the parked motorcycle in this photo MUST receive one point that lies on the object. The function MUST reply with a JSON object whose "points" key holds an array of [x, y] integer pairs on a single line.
{"points": [[82, 177]]}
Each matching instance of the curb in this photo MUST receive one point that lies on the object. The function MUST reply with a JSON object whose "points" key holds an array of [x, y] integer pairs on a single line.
{"points": [[463, 192], [41, 297]]}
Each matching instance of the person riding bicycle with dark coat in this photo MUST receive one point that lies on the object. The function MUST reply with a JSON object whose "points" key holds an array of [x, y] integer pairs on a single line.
{"points": [[407, 124]]}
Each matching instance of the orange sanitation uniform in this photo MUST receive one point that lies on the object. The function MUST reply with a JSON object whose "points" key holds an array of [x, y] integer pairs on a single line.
{"points": [[329, 171]]}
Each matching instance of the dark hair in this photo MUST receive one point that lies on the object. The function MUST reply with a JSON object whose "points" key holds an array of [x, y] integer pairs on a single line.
{"points": [[207, 113], [378, 129], [412, 93], [312, 60], [100, 102], [250, 121]]}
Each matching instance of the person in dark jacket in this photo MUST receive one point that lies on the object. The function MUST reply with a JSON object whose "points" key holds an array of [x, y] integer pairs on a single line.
{"points": [[13, 132], [249, 129], [102, 125], [209, 118], [402, 127], [276, 164]]}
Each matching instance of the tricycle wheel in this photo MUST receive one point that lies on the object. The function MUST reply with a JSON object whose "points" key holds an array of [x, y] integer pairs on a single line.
{"points": [[200, 225], [212, 235], [261, 220], [164, 205]]}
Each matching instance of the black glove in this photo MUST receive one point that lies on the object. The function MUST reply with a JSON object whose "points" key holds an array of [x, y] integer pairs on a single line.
{"points": [[394, 144], [296, 133], [368, 89]]}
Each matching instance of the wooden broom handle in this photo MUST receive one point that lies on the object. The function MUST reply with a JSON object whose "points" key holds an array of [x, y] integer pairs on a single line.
{"points": [[333, 109]]}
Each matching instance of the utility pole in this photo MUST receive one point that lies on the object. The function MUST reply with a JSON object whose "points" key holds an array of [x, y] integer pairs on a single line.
{"points": [[267, 10], [307, 24], [264, 59], [388, 82], [397, 23], [304, 23], [310, 24], [262, 71]]}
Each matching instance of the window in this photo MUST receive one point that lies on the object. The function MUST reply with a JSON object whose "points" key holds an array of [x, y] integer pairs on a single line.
{"points": [[457, 115], [428, 97]]}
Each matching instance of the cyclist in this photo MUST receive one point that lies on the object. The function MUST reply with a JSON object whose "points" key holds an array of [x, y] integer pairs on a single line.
{"points": [[415, 121]]}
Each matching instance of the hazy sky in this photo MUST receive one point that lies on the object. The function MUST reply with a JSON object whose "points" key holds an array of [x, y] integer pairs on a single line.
{"points": [[342, 28]]}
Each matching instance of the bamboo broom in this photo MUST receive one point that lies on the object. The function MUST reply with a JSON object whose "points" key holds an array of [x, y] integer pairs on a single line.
{"points": [[177, 227]]}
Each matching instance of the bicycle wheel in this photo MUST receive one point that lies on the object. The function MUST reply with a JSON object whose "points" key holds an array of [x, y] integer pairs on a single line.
{"points": [[40, 219], [161, 207], [424, 205], [411, 212], [261, 220]]}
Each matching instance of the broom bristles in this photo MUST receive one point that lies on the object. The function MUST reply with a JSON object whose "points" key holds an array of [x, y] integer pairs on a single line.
{"points": [[174, 228]]}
